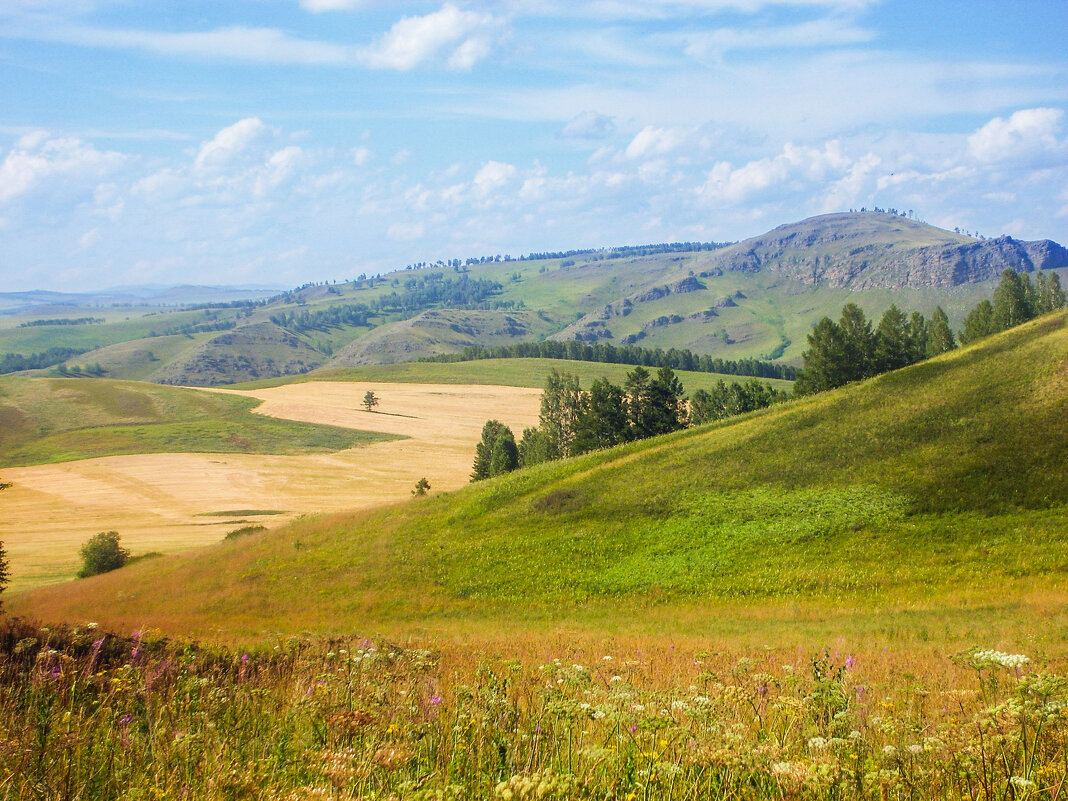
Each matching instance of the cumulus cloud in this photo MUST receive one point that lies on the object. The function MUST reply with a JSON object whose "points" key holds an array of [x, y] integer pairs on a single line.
{"points": [[38, 160], [229, 144], [493, 176], [653, 141], [795, 165], [1025, 135], [464, 37]]}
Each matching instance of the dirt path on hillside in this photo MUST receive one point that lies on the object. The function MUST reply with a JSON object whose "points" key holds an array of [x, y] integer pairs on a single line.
{"points": [[159, 502]]}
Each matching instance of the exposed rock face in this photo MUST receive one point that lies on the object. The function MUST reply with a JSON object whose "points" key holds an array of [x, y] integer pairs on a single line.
{"points": [[876, 250], [261, 350]]}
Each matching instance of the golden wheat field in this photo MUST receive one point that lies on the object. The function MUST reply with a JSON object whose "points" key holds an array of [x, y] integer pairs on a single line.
{"points": [[171, 502]]}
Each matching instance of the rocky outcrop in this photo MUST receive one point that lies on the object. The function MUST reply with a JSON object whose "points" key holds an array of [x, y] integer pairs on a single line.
{"points": [[878, 250]]}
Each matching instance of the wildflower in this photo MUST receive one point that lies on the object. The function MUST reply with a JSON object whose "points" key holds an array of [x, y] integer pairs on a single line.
{"points": [[991, 658], [817, 743], [615, 679], [1021, 782], [889, 750], [91, 626], [849, 663], [435, 699], [125, 720], [606, 658], [915, 749]]}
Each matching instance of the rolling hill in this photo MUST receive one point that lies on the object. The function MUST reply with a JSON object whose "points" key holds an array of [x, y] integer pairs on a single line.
{"points": [[930, 496], [753, 299]]}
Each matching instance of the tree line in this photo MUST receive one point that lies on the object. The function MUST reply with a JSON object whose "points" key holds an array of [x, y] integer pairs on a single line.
{"points": [[850, 350], [607, 353], [16, 362], [63, 321], [573, 421]]}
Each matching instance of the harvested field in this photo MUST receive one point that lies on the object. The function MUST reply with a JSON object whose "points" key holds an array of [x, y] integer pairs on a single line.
{"points": [[158, 502]]}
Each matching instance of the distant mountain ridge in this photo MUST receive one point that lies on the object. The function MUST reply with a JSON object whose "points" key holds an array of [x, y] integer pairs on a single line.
{"points": [[755, 299]]}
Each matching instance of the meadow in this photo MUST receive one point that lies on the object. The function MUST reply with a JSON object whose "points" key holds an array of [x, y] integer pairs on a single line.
{"points": [[306, 448], [859, 594], [91, 715]]}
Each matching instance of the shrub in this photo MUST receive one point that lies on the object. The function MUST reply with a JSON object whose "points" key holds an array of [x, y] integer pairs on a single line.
{"points": [[102, 554]]}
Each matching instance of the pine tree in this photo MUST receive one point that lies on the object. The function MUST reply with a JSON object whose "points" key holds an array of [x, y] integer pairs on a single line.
{"points": [[859, 343], [1011, 305], [824, 361], [979, 323], [917, 338], [505, 456], [939, 334], [667, 403], [603, 422], [491, 431], [638, 399], [533, 448], [893, 343]]}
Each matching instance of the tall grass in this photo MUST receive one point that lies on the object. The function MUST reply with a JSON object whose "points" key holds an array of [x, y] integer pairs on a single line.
{"points": [[90, 715]]}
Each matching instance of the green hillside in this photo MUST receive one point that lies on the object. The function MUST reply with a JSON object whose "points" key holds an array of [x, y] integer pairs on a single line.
{"points": [[934, 496], [753, 299], [44, 420]]}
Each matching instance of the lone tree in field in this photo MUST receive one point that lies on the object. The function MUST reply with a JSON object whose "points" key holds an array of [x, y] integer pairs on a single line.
{"points": [[422, 487], [102, 554], [370, 400]]}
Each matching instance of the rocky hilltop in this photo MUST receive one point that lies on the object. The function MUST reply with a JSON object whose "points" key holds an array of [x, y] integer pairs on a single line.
{"points": [[871, 250]]}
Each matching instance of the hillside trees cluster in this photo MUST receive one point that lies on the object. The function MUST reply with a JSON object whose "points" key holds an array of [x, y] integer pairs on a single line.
{"points": [[15, 362], [1016, 300], [851, 350], [573, 421], [607, 353]]}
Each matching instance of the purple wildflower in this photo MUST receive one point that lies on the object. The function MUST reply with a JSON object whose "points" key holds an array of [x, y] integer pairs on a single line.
{"points": [[849, 663]]}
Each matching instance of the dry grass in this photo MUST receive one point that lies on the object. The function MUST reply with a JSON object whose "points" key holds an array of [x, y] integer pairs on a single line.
{"points": [[153, 500]]}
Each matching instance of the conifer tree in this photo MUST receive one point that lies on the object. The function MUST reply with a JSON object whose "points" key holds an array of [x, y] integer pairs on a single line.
{"points": [[859, 343], [979, 323], [484, 449], [824, 361], [505, 456], [1011, 303], [939, 334], [893, 341]]}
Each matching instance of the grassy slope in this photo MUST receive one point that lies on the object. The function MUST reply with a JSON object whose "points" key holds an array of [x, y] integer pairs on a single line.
{"points": [[499, 372], [773, 318], [933, 498], [46, 420]]}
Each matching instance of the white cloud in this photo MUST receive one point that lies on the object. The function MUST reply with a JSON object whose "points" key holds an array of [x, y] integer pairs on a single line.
{"points": [[652, 141], [493, 176], [228, 144], [319, 6], [63, 163], [464, 36], [795, 167], [1026, 134], [361, 156]]}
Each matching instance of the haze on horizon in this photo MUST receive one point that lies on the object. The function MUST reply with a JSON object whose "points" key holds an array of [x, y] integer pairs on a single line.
{"points": [[281, 141]]}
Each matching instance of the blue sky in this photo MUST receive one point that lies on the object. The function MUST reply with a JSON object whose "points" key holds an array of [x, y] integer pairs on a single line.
{"points": [[284, 141]]}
